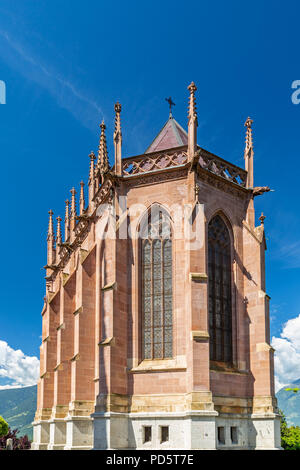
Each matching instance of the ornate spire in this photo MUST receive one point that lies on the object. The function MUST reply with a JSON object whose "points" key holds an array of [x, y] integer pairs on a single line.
{"points": [[67, 220], [50, 226], [192, 103], [248, 154], [50, 241], [118, 140], [192, 122], [58, 232], [81, 200], [73, 208], [102, 163], [249, 142], [92, 177]]}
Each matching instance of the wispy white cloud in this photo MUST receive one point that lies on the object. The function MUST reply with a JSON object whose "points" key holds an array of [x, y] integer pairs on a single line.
{"points": [[17, 369], [290, 252], [67, 95], [284, 238], [287, 353]]}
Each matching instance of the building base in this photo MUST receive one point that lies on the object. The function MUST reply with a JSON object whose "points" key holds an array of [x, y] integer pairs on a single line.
{"points": [[265, 431], [79, 433], [57, 434], [201, 430], [41, 435], [188, 430]]}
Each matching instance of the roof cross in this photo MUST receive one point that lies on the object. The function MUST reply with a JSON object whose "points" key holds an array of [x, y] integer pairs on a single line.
{"points": [[171, 103]]}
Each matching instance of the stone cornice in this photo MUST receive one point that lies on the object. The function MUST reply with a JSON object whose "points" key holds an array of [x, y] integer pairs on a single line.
{"points": [[161, 176], [222, 184]]}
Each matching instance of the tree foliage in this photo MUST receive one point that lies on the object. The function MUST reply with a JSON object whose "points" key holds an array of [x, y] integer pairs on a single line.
{"points": [[3, 427], [290, 435], [19, 443]]}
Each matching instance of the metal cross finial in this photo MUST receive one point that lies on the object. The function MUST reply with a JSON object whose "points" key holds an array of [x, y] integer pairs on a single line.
{"points": [[171, 103]]}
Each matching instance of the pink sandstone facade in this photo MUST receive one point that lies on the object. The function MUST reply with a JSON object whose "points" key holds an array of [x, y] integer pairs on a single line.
{"points": [[110, 378]]}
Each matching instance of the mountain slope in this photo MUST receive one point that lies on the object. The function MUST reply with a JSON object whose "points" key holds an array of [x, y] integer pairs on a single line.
{"points": [[17, 406], [289, 403]]}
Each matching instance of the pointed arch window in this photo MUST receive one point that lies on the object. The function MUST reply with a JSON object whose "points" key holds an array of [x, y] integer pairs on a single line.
{"points": [[219, 280], [156, 285]]}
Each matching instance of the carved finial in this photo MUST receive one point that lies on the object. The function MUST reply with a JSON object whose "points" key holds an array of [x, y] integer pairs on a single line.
{"points": [[58, 232], [73, 208], [118, 140], [102, 164], [67, 220], [118, 107], [262, 219], [92, 167], [92, 178], [50, 226], [81, 200], [192, 122], [118, 132], [248, 154], [249, 142], [50, 241], [192, 103], [92, 159]]}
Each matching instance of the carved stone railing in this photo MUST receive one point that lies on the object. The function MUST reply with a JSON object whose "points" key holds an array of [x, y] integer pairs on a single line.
{"points": [[103, 192], [154, 162], [178, 157], [222, 168]]}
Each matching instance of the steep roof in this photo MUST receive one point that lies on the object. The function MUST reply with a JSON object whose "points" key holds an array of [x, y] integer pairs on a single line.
{"points": [[171, 135]]}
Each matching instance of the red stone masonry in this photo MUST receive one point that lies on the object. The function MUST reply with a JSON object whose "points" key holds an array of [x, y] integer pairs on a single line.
{"points": [[92, 335]]}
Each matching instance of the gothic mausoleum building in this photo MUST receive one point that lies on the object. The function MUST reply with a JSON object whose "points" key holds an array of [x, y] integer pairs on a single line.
{"points": [[156, 316]]}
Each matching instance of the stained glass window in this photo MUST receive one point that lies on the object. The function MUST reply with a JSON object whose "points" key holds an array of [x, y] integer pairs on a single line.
{"points": [[219, 285], [156, 257]]}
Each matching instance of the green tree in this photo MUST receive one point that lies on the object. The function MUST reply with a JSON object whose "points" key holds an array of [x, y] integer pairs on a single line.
{"points": [[290, 436], [3, 427], [295, 390]]}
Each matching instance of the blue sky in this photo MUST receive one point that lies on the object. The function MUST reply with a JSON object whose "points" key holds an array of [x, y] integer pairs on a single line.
{"points": [[66, 62]]}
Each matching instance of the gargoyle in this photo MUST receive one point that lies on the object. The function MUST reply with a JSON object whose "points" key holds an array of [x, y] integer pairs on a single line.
{"points": [[258, 190]]}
